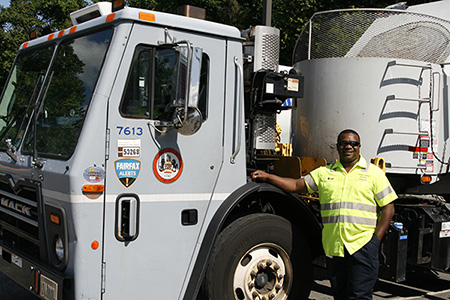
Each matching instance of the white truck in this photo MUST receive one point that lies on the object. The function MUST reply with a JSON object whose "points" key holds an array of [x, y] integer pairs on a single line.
{"points": [[126, 141]]}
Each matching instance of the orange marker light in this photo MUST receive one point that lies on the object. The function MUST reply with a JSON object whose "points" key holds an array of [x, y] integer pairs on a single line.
{"points": [[147, 17], [118, 4], [93, 188], [94, 245], [54, 219], [110, 17], [33, 35], [25, 45], [425, 179]]}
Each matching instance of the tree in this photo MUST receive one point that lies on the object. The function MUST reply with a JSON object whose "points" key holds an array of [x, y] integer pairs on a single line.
{"points": [[24, 16], [47, 16]]}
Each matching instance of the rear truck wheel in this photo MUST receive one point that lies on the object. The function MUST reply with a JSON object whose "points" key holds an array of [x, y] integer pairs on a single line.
{"points": [[259, 257]]}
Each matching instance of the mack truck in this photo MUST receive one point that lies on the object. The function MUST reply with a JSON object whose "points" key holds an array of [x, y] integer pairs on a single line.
{"points": [[126, 142]]}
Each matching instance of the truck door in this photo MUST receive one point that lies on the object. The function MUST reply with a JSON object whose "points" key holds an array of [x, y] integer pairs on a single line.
{"points": [[159, 182]]}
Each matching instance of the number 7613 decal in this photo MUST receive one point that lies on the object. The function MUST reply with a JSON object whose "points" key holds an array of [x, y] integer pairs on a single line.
{"points": [[130, 130]]}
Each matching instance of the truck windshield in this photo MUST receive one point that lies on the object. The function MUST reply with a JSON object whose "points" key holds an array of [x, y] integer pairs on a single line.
{"points": [[64, 99], [21, 91]]}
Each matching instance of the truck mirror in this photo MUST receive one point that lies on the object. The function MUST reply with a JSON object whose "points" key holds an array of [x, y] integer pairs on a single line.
{"points": [[186, 117], [188, 120]]}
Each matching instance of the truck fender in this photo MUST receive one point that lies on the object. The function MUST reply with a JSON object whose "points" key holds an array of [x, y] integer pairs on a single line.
{"points": [[219, 219]]}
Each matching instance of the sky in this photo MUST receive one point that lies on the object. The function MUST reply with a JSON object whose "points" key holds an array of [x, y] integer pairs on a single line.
{"points": [[4, 3]]}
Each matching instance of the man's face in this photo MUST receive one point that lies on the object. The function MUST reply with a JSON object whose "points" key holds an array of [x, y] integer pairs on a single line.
{"points": [[347, 152]]}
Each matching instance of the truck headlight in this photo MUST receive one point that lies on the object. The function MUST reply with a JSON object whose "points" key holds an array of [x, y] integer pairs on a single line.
{"points": [[57, 241], [59, 248]]}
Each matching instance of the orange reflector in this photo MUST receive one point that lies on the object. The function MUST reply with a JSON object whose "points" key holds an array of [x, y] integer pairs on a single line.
{"points": [[25, 45], [110, 17], [93, 188], [94, 245], [54, 219], [425, 179], [147, 17], [61, 33], [50, 37], [72, 29], [37, 276]]}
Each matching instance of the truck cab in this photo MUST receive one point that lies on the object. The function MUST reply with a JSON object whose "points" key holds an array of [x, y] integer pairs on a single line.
{"points": [[123, 167]]}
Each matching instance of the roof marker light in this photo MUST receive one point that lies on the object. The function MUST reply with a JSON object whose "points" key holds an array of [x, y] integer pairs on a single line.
{"points": [[25, 45], [110, 17], [33, 34], [118, 5], [146, 17]]}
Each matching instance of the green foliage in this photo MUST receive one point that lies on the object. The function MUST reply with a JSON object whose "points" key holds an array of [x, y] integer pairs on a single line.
{"points": [[24, 16], [48, 16]]}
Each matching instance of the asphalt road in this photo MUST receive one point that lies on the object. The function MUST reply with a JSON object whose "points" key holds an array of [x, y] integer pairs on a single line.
{"points": [[418, 286]]}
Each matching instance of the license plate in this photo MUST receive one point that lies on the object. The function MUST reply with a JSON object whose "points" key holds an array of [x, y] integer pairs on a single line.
{"points": [[49, 288]]}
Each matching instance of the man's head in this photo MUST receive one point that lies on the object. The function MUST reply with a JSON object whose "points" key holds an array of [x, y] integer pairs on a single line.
{"points": [[348, 145]]}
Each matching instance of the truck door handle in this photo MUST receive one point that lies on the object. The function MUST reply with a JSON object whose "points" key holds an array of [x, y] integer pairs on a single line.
{"points": [[238, 131], [127, 217]]}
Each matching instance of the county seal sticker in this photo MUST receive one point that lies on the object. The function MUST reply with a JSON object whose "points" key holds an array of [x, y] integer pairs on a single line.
{"points": [[127, 171], [167, 165], [94, 174]]}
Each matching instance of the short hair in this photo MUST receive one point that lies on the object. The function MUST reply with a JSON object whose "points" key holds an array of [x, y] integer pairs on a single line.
{"points": [[347, 131]]}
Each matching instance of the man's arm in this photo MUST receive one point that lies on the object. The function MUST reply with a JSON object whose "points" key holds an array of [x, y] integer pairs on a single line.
{"points": [[387, 212], [288, 184]]}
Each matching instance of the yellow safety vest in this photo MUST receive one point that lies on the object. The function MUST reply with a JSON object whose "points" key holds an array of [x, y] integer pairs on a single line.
{"points": [[348, 203]]}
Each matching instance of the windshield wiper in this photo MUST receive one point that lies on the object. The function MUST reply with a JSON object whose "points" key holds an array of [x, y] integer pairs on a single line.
{"points": [[37, 108], [11, 151]]}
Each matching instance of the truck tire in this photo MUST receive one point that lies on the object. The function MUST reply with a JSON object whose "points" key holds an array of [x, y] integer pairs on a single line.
{"points": [[259, 256]]}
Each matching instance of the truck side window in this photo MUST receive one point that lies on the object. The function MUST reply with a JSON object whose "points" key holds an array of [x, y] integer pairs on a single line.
{"points": [[152, 84]]}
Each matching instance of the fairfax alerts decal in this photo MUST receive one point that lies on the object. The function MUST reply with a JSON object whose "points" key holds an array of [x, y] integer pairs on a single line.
{"points": [[127, 170], [167, 165]]}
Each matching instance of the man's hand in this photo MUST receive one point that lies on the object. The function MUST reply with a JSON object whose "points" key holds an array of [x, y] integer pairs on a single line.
{"points": [[259, 175], [387, 212]]}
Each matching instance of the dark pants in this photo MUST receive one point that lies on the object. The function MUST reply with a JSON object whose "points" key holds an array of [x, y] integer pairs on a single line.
{"points": [[352, 277]]}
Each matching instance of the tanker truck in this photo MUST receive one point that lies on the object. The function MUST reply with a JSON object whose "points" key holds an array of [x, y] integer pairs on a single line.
{"points": [[385, 74], [108, 189]]}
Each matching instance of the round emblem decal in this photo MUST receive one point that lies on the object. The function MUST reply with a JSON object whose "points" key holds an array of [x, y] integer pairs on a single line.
{"points": [[167, 165], [94, 174]]}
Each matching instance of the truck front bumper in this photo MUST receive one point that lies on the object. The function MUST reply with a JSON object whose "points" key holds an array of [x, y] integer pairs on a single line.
{"points": [[41, 281]]}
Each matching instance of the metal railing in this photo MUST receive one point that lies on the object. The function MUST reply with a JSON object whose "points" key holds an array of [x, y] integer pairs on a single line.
{"points": [[374, 33]]}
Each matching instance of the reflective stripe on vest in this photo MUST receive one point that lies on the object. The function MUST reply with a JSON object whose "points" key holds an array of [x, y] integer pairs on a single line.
{"points": [[349, 205], [311, 183], [349, 219], [384, 193]]}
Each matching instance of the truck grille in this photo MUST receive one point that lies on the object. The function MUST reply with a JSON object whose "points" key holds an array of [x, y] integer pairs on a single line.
{"points": [[19, 219]]}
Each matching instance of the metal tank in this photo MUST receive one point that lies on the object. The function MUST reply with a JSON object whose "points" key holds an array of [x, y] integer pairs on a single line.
{"points": [[383, 73]]}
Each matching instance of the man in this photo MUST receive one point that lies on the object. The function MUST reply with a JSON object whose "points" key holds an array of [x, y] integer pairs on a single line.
{"points": [[350, 191]]}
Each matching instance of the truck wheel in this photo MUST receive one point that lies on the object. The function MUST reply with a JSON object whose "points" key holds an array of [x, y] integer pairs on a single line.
{"points": [[258, 257]]}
